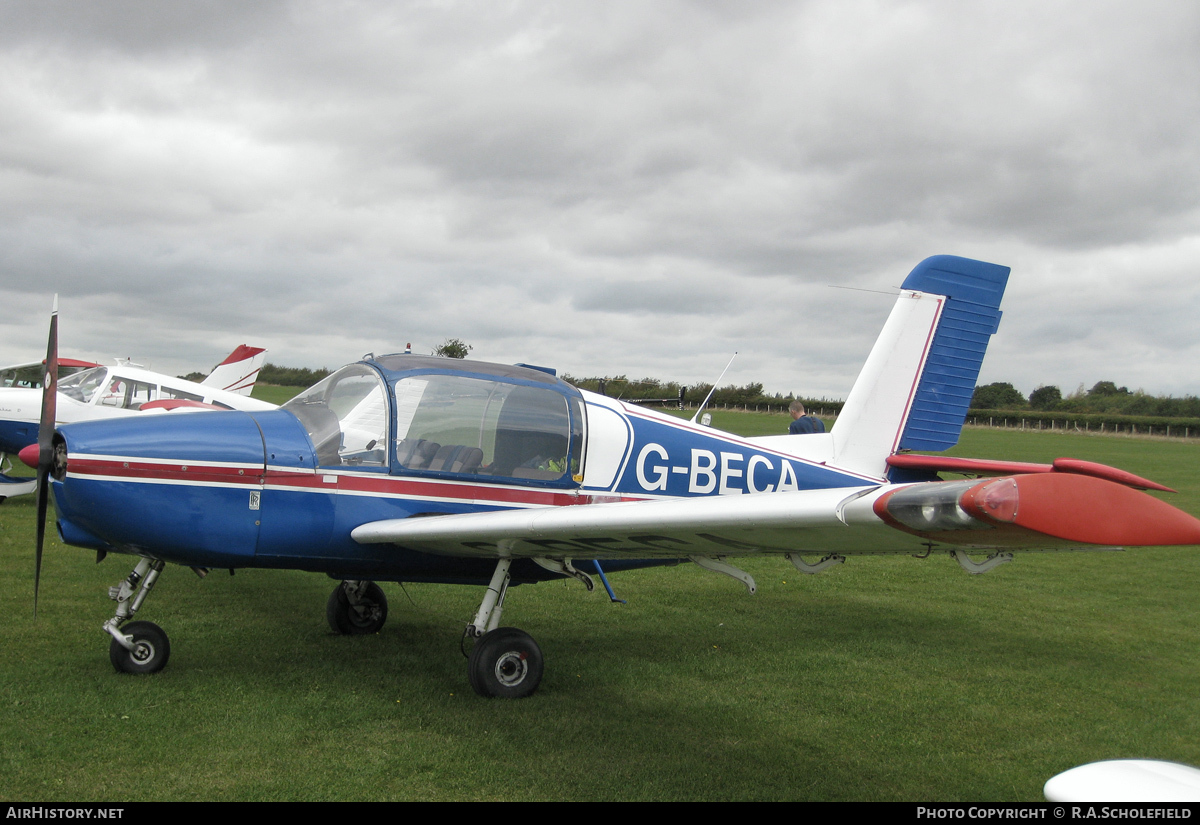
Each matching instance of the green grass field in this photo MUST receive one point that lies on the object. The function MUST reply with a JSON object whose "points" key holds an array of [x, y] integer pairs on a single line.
{"points": [[274, 393], [885, 678]]}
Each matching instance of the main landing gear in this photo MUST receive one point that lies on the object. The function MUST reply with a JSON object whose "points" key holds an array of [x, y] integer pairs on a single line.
{"points": [[356, 608], [505, 661], [138, 647]]}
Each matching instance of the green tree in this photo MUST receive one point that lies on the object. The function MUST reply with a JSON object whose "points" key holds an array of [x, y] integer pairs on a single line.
{"points": [[1103, 389], [1045, 398], [997, 396], [453, 348]]}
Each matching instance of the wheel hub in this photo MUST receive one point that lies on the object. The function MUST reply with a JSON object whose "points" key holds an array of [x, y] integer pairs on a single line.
{"points": [[511, 668]]}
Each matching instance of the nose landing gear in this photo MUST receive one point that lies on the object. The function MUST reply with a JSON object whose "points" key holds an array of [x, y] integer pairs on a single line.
{"points": [[138, 647]]}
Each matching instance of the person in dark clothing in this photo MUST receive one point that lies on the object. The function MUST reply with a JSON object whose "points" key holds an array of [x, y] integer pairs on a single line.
{"points": [[803, 424]]}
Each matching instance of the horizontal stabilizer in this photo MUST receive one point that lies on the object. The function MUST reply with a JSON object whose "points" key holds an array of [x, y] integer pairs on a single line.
{"points": [[992, 467]]}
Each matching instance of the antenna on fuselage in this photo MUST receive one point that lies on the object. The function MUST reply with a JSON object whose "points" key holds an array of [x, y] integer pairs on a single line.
{"points": [[714, 389]]}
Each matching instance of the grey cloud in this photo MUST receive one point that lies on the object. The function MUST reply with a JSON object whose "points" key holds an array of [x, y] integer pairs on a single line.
{"points": [[632, 188]]}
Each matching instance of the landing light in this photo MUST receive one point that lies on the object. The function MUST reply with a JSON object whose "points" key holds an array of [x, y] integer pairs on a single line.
{"points": [[956, 505]]}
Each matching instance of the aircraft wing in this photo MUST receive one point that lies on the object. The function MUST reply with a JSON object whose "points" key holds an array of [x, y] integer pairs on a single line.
{"points": [[814, 521], [1049, 511]]}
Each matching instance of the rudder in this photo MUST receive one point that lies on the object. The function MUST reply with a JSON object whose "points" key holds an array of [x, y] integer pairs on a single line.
{"points": [[916, 387], [238, 372]]}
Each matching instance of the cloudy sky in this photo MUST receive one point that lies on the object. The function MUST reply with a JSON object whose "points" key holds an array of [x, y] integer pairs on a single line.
{"points": [[605, 187]]}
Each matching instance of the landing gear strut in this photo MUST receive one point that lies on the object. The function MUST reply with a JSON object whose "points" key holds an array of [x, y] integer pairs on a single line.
{"points": [[139, 647], [505, 662]]}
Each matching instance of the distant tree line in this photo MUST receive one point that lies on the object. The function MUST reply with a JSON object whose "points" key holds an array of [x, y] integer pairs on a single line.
{"points": [[650, 390], [1105, 397], [290, 376]]}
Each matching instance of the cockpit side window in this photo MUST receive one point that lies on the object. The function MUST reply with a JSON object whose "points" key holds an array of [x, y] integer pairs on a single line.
{"points": [[346, 418], [127, 394], [457, 424]]}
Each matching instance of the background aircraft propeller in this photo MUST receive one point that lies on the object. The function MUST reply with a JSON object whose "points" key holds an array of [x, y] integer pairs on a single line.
{"points": [[46, 445]]}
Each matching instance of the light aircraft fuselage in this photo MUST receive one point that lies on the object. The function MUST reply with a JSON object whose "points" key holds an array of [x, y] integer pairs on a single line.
{"points": [[410, 468]]}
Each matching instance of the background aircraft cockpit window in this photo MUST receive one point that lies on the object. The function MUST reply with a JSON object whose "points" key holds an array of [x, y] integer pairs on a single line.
{"points": [[83, 385], [25, 377], [130, 395], [346, 417], [456, 424], [167, 392]]}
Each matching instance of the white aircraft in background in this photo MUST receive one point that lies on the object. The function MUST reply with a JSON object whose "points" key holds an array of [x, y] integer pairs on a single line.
{"points": [[1126, 780], [30, 375], [95, 391]]}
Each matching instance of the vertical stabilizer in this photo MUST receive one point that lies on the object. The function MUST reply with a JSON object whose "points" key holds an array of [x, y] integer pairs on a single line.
{"points": [[914, 391], [239, 371]]}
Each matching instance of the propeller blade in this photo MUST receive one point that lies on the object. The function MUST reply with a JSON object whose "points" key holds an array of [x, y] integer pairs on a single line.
{"points": [[46, 445]]}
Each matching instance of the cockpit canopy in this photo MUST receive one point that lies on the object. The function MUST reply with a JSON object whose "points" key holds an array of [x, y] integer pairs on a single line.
{"points": [[108, 388], [461, 418]]}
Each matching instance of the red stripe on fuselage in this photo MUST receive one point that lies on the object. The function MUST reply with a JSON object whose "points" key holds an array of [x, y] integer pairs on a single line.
{"points": [[175, 471], [316, 481]]}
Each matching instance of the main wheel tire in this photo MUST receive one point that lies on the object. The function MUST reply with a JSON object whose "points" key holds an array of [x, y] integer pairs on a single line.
{"points": [[151, 649], [360, 619], [506, 663]]}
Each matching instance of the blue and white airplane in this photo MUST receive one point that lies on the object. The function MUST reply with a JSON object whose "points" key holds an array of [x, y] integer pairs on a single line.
{"points": [[404, 468]]}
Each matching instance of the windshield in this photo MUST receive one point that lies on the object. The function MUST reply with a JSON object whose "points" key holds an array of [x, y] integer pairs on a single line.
{"points": [[346, 417], [82, 386]]}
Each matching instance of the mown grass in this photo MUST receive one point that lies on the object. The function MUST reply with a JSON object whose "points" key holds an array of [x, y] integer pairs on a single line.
{"points": [[884, 678], [274, 393]]}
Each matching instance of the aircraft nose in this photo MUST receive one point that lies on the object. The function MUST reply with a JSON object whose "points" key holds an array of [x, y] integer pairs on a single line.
{"points": [[182, 487]]}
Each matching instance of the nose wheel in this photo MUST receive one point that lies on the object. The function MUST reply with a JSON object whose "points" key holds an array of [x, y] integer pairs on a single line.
{"points": [[149, 651]]}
